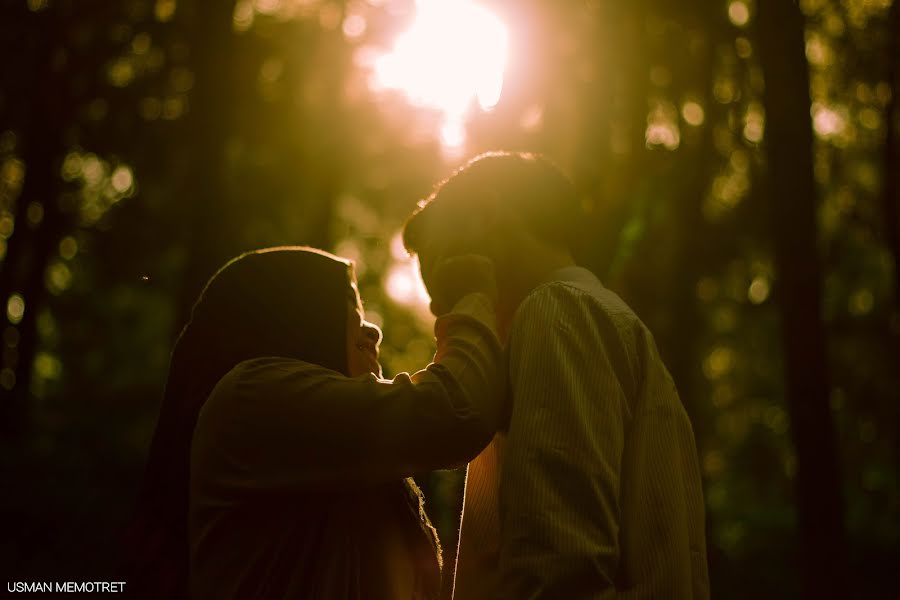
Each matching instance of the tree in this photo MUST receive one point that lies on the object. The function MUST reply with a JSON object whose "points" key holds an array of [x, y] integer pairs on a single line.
{"points": [[42, 117], [890, 198], [792, 194], [202, 195]]}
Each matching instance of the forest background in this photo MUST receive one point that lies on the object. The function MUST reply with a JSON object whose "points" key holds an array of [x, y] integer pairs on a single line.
{"points": [[737, 162]]}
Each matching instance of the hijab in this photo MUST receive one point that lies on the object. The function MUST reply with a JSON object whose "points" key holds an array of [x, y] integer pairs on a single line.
{"points": [[289, 302]]}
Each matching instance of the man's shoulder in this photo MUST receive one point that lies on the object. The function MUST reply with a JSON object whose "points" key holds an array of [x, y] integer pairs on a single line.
{"points": [[559, 299]]}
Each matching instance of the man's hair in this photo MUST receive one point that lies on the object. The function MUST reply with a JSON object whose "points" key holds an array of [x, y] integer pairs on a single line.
{"points": [[527, 186]]}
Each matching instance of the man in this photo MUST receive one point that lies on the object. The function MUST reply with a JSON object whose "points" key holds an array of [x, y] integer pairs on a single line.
{"points": [[593, 490]]}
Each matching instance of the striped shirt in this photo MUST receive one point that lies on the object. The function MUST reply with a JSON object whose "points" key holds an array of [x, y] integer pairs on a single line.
{"points": [[594, 490]]}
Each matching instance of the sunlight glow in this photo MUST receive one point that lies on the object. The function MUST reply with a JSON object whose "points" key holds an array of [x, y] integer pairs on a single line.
{"points": [[453, 132], [407, 293], [404, 286], [454, 52], [400, 285]]}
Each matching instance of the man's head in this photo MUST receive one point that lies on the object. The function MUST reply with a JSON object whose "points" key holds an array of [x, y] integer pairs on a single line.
{"points": [[518, 209]]}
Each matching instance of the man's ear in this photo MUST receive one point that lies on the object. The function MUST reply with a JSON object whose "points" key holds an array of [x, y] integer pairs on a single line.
{"points": [[503, 232], [487, 225], [491, 210]]}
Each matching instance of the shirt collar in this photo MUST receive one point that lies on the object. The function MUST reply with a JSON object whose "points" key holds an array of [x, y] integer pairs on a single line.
{"points": [[572, 273]]}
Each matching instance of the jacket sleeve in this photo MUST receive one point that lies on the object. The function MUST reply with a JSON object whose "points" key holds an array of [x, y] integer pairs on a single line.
{"points": [[276, 423], [559, 482]]}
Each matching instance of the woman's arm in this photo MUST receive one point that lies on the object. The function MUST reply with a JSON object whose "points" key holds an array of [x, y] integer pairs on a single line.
{"points": [[278, 423]]}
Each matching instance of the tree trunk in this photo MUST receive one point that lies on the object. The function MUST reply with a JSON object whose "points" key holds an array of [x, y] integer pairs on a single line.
{"points": [[44, 108], [205, 202], [891, 156], [792, 194], [611, 181], [690, 254]]}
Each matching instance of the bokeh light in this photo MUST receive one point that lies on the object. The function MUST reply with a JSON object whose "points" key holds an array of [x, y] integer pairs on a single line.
{"points": [[692, 113], [758, 290], [402, 281], [738, 13], [15, 308]]}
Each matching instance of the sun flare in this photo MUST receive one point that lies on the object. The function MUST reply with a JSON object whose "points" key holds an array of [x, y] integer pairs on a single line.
{"points": [[453, 53]]}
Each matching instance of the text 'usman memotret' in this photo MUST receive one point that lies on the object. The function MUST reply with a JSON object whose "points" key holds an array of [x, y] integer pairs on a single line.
{"points": [[72, 587]]}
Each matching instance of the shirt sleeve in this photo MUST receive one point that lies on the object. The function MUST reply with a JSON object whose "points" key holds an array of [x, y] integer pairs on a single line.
{"points": [[277, 423], [559, 483]]}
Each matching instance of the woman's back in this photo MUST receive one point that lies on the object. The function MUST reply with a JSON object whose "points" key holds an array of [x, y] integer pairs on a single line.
{"points": [[259, 529], [327, 546]]}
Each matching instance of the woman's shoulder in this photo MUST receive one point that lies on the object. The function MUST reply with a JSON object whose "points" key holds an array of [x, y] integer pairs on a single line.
{"points": [[267, 373], [273, 366], [257, 392]]}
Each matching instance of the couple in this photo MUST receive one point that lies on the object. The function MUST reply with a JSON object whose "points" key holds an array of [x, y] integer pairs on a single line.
{"points": [[281, 465]]}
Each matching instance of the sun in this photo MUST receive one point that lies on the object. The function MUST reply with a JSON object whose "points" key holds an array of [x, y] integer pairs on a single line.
{"points": [[454, 53]]}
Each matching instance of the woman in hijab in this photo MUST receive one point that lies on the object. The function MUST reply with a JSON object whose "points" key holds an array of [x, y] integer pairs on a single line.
{"points": [[280, 466]]}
